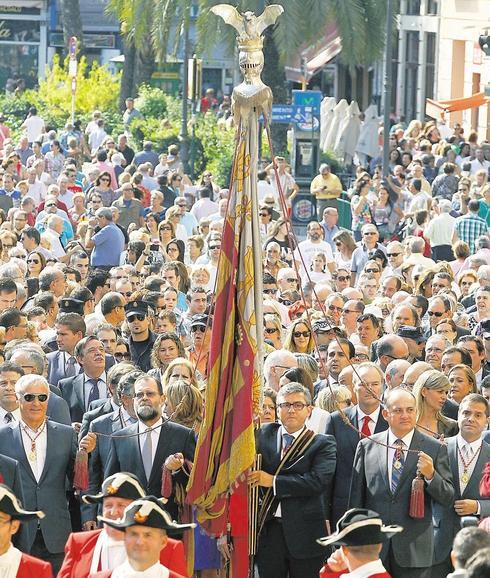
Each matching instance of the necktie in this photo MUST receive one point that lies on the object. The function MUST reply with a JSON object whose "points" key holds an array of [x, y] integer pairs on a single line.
{"points": [[94, 391], [467, 451], [8, 417], [287, 440], [397, 466], [70, 367], [146, 454], [365, 431]]}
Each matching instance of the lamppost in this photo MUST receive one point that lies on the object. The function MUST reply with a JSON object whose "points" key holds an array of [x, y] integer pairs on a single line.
{"points": [[388, 85], [184, 136]]}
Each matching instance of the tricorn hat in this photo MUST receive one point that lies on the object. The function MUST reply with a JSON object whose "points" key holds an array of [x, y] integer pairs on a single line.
{"points": [[120, 485], [9, 504], [360, 527]]}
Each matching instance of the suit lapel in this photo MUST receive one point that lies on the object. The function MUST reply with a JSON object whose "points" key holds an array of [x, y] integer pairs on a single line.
{"points": [[161, 450], [50, 448], [382, 459], [78, 388], [473, 485], [452, 452]]}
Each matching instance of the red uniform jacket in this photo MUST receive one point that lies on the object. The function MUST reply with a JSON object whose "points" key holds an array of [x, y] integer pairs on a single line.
{"points": [[108, 574], [325, 572], [33, 567], [80, 547]]}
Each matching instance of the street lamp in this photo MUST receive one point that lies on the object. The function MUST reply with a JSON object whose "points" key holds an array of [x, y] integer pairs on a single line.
{"points": [[387, 88]]}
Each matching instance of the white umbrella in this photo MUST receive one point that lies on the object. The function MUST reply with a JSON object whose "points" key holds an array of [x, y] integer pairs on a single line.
{"points": [[338, 116], [345, 144], [326, 115], [368, 144]]}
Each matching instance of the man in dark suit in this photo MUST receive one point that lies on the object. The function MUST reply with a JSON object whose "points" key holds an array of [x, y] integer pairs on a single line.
{"points": [[468, 454], [45, 451], [366, 417], [158, 443], [91, 385], [384, 468], [296, 517], [70, 329]]}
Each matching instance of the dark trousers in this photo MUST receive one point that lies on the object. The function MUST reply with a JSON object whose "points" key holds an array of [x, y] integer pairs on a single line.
{"points": [[398, 571], [442, 253], [39, 550], [274, 560], [441, 570]]}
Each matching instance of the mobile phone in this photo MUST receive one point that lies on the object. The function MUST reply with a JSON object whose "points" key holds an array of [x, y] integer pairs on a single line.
{"points": [[154, 247]]}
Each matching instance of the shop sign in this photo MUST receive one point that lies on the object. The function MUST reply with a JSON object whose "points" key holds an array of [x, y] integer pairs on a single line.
{"points": [[19, 31], [20, 10]]}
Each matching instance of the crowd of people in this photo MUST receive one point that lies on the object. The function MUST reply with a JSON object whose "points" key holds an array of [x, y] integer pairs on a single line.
{"points": [[377, 366]]}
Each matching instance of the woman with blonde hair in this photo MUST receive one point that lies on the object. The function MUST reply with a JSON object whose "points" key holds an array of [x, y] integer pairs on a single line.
{"points": [[462, 382], [184, 404], [461, 251], [180, 368], [299, 337], [430, 391], [166, 348], [273, 330], [344, 247], [333, 398]]}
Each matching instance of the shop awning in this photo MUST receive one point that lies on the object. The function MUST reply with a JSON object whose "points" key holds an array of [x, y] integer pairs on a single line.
{"points": [[439, 108], [316, 56]]}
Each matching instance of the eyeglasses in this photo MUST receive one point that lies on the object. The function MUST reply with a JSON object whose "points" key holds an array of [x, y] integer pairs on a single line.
{"points": [[301, 334], [138, 316], [370, 233], [35, 261], [334, 308], [200, 328], [343, 278], [264, 214], [7, 246], [212, 247], [269, 291], [122, 355], [297, 406], [393, 254], [270, 330], [30, 397], [436, 313], [361, 357], [372, 270], [291, 280]]}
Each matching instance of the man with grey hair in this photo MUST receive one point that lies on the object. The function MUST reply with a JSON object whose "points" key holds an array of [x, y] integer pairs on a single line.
{"points": [[275, 366], [439, 232], [52, 279], [395, 371], [105, 238], [297, 515], [416, 246], [483, 278], [52, 234], [46, 466]]}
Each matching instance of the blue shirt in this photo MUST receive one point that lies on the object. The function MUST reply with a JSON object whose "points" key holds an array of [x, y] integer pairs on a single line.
{"points": [[109, 244], [329, 234]]}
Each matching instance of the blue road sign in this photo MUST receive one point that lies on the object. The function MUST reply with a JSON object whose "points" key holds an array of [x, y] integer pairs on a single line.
{"points": [[282, 113], [312, 98]]}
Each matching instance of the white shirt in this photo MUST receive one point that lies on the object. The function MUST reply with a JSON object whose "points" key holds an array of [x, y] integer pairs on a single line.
{"points": [[203, 208], [476, 165], [4, 412], [475, 447], [108, 553], [34, 127], [407, 440], [308, 249], [155, 436], [10, 562], [317, 421], [102, 384], [265, 189], [125, 570], [440, 230], [374, 418], [54, 239], [37, 465], [367, 570], [37, 192], [67, 198]]}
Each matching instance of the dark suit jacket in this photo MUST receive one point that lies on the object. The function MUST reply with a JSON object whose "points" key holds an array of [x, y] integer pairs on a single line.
{"points": [[56, 369], [57, 407], [300, 489], [125, 456], [103, 407], [105, 424], [446, 522], [371, 488], [450, 409], [347, 439], [72, 390], [49, 494]]}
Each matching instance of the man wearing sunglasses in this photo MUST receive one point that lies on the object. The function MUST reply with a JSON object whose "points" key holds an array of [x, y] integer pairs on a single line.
{"points": [[46, 453], [362, 254], [201, 342], [142, 338], [440, 309]]}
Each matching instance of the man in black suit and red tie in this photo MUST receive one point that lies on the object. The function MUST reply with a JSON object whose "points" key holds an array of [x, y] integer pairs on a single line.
{"points": [[296, 475]]}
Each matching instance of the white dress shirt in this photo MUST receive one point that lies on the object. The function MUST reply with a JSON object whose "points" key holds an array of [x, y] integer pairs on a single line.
{"points": [[374, 418], [4, 412], [475, 449], [367, 570], [102, 384], [155, 436], [407, 440], [37, 465], [108, 553], [125, 570], [76, 365]]}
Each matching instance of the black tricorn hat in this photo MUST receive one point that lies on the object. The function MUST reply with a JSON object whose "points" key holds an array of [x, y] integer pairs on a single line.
{"points": [[9, 504], [148, 511], [360, 527], [120, 485]]}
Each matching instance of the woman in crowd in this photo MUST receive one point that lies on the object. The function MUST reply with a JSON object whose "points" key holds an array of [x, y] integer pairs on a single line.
{"points": [[166, 232], [424, 283], [122, 350], [151, 227], [167, 348], [176, 250], [482, 300], [318, 272], [268, 412], [299, 337], [180, 368], [184, 404], [461, 251], [280, 234], [448, 329], [272, 262], [361, 209], [341, 279], [173, 216], [195, 244], [273, 330], [430, 391], [200, 276], [104, 189], [463, 381], [382, 210], [36, 262], [466, 283], [344, 247], [334, 398]]}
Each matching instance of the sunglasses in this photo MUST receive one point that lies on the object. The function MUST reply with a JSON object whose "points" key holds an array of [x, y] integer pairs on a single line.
{"points": [[269, 291], [200, 328], [286, 302], [50, 205], [122, 355], [138, 316], [30, 397], [393, 254], [35, 261], [270, 330], [214, 247], [301, 334], [436, 313], [342, 278]]}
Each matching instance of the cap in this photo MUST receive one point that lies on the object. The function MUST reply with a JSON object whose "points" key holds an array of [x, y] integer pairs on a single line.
{"points": [[120, 485], [70, 305], [199, 319], [360, 527], [136, 307], [9, 504], [324, 326], [410, 332], [148, 512], [485, 327]]}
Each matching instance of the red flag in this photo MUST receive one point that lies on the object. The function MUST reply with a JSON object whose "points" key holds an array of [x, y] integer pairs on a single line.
{"points": [[226, 446]]}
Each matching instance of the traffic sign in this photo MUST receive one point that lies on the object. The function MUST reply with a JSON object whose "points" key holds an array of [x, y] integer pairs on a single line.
{"points": [[306, 118], [282, 113], [312, 98]]}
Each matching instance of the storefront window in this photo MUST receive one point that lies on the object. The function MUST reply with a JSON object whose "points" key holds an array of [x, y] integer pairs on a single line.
{"points": [[18, 62]]}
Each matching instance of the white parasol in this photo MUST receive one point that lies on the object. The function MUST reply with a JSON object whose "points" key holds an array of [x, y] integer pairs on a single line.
{"points": [[368, 143], [339, 113], [350, 128], [326, 116]]}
